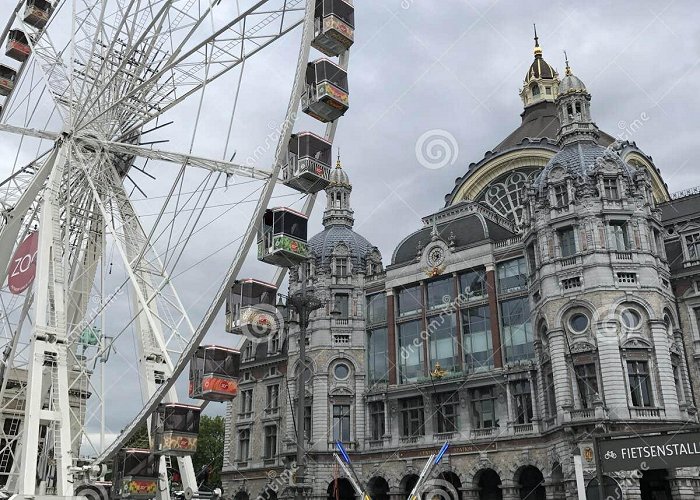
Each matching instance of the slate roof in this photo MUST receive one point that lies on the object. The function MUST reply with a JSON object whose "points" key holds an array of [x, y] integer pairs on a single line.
{"points": [[467, 230], [323, 244]]}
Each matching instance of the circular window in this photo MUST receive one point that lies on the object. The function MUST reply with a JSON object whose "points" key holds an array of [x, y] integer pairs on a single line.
{"points": [[578, 322], [631, 319], [341, 371]]}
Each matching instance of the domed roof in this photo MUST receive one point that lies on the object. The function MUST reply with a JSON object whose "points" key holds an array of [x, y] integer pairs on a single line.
{"points": [[324, 243], [339, 177], [571, 83], [579, 160], [539, 69]]}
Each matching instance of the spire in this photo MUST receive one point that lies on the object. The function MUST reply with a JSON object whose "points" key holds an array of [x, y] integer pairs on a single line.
{"points": [[338, 210], [538, 49], [568, 68]]}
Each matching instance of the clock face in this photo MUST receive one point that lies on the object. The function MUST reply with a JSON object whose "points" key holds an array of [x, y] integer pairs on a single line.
{"points": [[435, 256]]}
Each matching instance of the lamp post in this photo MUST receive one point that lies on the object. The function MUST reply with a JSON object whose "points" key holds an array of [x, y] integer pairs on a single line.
{"points": [[304, 302]]}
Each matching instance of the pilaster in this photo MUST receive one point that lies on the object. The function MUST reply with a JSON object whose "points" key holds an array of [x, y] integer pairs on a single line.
{"points": [[614, 379], [669, 396]]}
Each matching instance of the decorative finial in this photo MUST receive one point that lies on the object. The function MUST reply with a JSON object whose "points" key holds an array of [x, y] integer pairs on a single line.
{"points": [[568, 69], [337, 163], [434, 234], [538, 49]]}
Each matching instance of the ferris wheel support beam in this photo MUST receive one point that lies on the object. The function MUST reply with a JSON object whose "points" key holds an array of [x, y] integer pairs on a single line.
{"points": [[48, 345], [238, 259]]}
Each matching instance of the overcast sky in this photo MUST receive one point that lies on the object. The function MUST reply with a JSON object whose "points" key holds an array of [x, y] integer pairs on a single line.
{"points": [[454, 66]]}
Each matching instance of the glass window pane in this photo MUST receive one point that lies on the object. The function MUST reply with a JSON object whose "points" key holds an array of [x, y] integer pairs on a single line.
{"points": [[410, 351], [410, 300], [516, 329], [512, 276], [440, 293], [473, 284]]}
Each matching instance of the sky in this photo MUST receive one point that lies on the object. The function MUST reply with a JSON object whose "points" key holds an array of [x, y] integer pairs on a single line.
{"points": [[421, 70]]}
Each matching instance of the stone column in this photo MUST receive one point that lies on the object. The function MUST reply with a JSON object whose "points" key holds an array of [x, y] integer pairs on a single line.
{"points": [[498, 355], [687, 389], [391, 335], [630, 488], [397, 495], [613, 377], [555, 491], [668, 397], [557, 352], [320, 428], [511, 491]]}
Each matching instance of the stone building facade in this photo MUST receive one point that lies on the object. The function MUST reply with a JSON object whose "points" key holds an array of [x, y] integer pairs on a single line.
{"points": [[556, 295]]}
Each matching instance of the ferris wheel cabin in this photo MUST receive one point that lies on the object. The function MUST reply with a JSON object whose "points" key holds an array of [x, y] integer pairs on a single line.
{"points": [[175, 428], [37, 13], [250, 308], [282, 237], [7, 80], [214, 373], [334, 26], [326, 97], [134, 474], [308, 167], [17, 46]]}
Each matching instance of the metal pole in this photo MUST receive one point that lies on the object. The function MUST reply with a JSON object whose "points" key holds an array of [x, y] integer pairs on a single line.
{"points": [[303, 320], [578, 467], [599, 468]]}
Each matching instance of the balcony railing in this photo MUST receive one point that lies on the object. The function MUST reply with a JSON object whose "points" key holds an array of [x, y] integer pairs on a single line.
{"points": [[583, 414], [569, 261], [482, 433], [373, 445], [647, 412], [341, 321], [523, 428], [444, 436], [623, 255]]}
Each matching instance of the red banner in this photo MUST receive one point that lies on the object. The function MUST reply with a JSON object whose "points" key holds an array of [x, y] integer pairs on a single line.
{"points": [[22, 268]]}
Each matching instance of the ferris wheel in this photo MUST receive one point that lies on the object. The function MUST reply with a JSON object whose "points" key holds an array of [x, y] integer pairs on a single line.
{"points": [[98, 98]]}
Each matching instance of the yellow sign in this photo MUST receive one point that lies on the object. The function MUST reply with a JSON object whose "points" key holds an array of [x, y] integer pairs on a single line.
{"points": [[588, 454]]}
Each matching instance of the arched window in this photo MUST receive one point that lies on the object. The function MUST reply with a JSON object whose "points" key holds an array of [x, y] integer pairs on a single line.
{"points": [[578, 107], [535, 90], [569, 110]]}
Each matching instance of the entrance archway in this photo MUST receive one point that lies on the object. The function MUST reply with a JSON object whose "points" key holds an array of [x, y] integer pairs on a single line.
{"points": [[654, 485], [378, 488], [407, 484], [489, 483], [611, 489], [531, 483], [340, 489]]}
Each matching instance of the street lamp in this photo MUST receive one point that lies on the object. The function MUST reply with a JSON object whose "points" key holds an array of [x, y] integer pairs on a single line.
{"points": [[303, 302]]}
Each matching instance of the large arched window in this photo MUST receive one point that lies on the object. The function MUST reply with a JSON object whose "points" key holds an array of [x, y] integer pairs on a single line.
{"points": [[506, 195]]}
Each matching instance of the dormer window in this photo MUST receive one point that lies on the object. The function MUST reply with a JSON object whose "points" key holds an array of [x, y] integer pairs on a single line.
{"points": [[561, 195], [692, 245], [569, 110], [535, 90], [610, 191], [341, 266], [578, 108], [548, 90], [567, 242], [620, 238]]}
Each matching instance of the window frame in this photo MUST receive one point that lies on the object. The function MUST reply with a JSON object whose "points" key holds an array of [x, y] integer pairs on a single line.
{"points": [[412, 417], [645, 375], [377, 420], [522, 399], [560, 195], [584, 372], [478, 397], [341, 424], [270, 441], [568, 244], [694, 255], [241, 440], [611, 188], [446, 421]]}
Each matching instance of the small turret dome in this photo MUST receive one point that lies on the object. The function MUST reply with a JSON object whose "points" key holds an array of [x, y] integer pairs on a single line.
{"points": [[339, 177], [571, 82]]}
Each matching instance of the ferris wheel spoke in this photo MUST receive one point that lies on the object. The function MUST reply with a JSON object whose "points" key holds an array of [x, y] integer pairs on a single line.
{"points": [[194, 68], [185, 159], [31, 132]]}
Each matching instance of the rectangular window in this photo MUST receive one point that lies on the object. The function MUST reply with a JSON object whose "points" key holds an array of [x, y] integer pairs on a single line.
{"points": [[376, 420], [247, 401], [410, 300], [440, 293], [516, 329], [446, 411], [307, 422], [443, 342], [531, 258], [473, 284], [412, 423], [567, 242], [341, 266], [561, 195], [476, 331], [640, 383], [587, 383], [522, 401], [377, 354], [677, 377], [512, 276], [342, 305], [376, 309], [270, 442], [610, 189], [275, 343], [341, 423], [551, 397], [248, 353], [483, 408], [410, 352], [692, 243], [272, 401], [244, 445], [619, 237], [696, 313]]}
